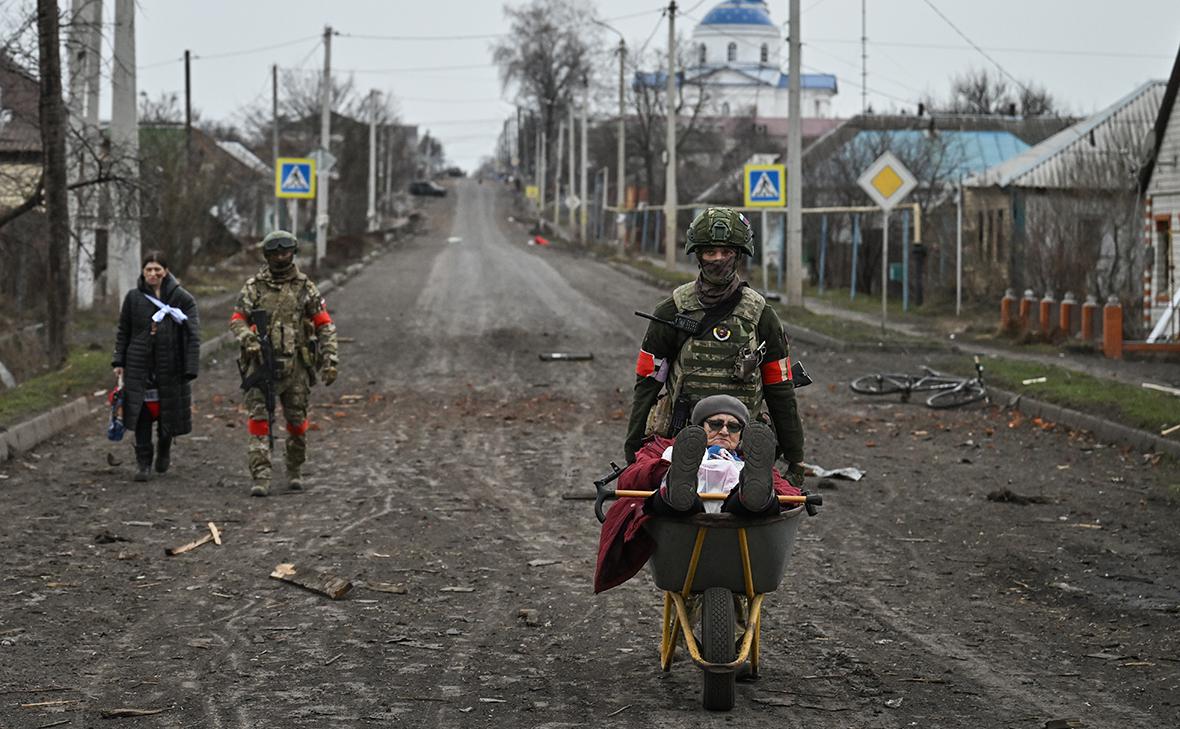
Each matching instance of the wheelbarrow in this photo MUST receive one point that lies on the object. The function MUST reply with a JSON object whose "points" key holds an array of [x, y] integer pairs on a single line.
{"points": [[720, 562]]}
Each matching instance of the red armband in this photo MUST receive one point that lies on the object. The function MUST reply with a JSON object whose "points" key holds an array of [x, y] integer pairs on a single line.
{"points": [[321, 319], [777, 371]]}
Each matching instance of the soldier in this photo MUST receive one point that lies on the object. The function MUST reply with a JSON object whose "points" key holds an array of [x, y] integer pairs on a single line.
{"points": [[298, 339], [716, 335]]}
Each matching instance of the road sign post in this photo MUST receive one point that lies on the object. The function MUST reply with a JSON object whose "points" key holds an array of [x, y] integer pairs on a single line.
{"points": [[764, 186], [887, 182], [295, 178]]}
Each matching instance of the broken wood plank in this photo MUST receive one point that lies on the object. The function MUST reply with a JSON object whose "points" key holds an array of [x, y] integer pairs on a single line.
{"points": [[116, 713], [55, 702], [390, 587], [173, 551], [213, 530], [316, 581], [54, 723]]}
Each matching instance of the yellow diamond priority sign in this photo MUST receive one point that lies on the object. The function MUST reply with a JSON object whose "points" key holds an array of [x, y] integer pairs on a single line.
{"points": [[887, 181]]}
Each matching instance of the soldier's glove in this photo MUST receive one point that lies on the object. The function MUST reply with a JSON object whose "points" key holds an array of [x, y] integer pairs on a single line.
{"points": [[251, 347], [795, 475], [328, 374]]}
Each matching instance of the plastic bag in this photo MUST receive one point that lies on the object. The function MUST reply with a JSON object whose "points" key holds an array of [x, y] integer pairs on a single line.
{"points": [[115, 428]]}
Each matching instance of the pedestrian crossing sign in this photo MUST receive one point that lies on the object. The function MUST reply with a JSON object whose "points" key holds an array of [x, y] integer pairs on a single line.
{"points": [[765, 186], [295, 177]]}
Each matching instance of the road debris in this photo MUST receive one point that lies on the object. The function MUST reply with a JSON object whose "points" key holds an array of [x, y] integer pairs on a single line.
{"points": [[1007, 496], [543, 562], [566, 356], [530, 616], [1169, 431], [456, 588], [1064, 724], [215, 533], [316, 581], [118, 713], [616, 712], [394, 588], [333, 659], [1162, 388], [1034, 380], [848, 473], [106, 537], [173, 551], [894, 703]]}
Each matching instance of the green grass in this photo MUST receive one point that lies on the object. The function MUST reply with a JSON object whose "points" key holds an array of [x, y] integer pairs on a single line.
{"points": [[86, 371], [853, 332], [1133, 406]]}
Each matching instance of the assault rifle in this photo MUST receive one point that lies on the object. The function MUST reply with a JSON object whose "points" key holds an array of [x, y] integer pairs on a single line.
{"points": [[264, 376]]}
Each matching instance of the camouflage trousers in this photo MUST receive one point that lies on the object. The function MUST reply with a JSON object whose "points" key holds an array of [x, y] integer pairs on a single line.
{"points": [[291, 393]]}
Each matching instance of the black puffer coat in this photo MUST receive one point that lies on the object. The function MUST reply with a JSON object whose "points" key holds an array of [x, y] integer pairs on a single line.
{"points": [[171, 358]]}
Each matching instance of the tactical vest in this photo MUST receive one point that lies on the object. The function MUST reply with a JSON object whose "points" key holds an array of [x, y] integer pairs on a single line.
{"points": [[704, 365], [286, 301]]}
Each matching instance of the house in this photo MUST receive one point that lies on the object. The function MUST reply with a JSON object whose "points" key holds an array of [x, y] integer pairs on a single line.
{"points": [[1062, 215], [20, 134], [1159, 184]]}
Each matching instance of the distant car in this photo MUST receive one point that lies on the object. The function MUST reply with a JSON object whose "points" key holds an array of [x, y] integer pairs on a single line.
{"points": [[429, 189]]}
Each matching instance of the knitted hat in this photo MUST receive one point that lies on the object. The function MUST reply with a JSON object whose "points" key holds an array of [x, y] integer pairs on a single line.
{"points": [[714, 404]]}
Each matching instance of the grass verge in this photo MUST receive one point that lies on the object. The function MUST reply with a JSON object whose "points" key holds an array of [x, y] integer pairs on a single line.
{"points": [[1122, 403], [86, 370]]}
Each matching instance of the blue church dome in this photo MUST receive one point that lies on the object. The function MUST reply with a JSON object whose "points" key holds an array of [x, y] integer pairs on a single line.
{"points": [[739, 12]]}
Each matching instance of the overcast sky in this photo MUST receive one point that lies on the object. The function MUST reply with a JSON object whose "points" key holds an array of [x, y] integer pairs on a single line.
{"points": [[1088, 53]]}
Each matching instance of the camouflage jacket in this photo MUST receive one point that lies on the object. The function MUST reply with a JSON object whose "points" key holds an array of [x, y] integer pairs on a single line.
{"points": [[301, 330]]}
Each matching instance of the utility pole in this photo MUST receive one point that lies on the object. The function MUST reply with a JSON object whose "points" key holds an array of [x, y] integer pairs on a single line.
{"points": [[274, 138], [557, 174], [53, 122], [321, 203], [573, 182], [794, 247], [542, 155], [371, 214], [188, 109], [670, 195], [621, 162], [864, 61], [584, 208], [124, 248], [83, 53]]}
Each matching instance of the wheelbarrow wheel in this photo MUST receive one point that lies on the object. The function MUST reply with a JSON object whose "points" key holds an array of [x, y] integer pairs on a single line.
{"points": [[717, 646]]}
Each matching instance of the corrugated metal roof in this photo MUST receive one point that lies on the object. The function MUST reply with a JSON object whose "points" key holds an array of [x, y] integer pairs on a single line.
{"points": [[757, 75], [967, 151], [242, 154], [1090, 153]]}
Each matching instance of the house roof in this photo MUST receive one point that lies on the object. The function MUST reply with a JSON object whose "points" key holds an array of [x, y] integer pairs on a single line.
{"points": [[738, 12], [754, 76], [1116, 130], [967, 151], [20, 126], [244, 156], [1161, 123]]}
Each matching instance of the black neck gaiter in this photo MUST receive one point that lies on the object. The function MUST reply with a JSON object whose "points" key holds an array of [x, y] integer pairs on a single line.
{"points": [[717, 280]]}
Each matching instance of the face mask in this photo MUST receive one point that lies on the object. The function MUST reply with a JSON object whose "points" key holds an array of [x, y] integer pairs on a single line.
{"points": [[719, 273], [280, 265]]}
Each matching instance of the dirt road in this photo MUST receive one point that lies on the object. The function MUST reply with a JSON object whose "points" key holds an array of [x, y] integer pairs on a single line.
{"points": [[439, 462]]}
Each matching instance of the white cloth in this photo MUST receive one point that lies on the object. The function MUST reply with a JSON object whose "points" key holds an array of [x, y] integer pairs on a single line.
{"points": [[164, 310], [718, 474]]}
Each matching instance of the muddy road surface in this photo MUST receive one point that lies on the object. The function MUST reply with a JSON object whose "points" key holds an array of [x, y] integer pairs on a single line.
{"points": [[439, 463]]}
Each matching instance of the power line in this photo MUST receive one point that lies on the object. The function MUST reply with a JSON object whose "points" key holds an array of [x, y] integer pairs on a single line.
{"points": [[976, 46], [995, 49], [231, 54]]}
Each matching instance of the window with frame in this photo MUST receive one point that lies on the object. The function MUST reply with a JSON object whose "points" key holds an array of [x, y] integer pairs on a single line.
{"points": [[702, 54], [765, 54], [731, 52]]}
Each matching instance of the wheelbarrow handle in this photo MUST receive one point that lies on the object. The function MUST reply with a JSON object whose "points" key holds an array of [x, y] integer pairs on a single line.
{"points": [[603, 491]]}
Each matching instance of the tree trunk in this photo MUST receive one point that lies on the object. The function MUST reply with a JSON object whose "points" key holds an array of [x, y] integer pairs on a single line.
{"points": [[53, 146]]}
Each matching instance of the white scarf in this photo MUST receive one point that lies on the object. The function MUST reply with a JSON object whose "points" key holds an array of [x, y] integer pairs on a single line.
{"points": [[164, 310]]}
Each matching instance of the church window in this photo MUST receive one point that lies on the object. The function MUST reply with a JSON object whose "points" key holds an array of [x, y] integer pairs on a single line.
{"points": [[701, 54], [731, 52], [725, 109], [765, 53]]}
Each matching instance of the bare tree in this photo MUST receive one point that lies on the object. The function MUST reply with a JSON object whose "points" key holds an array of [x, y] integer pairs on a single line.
{"points": [[983, 92], [547, 55]]}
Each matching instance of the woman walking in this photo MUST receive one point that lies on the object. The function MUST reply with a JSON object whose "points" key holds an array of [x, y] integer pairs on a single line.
{"points": [[157, 355]]}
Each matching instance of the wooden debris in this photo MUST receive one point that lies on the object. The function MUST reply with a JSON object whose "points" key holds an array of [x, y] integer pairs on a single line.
{"points": [[543, 562], [55, 702], [530, 616], [173, 551], [213, 530], [54, 723], [117, 713], [1169, 431], [390, 587], [316, 581], [454, 588], [333, 659], [616, 712]]}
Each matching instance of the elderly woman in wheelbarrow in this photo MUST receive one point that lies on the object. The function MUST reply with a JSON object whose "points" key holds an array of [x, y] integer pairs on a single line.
{"points": [[720, 451]]}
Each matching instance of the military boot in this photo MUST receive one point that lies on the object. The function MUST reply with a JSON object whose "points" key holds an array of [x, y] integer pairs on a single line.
{"points": [[143, 462], [294, 479], [163, 454], [259, 458], [260, 488]]}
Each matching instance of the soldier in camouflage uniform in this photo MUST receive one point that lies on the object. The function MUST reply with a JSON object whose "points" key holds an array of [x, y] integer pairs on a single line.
{"points": [[303, 339], [739, 347]]}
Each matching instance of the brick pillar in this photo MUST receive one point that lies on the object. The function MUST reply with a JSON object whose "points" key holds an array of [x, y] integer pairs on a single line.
{"points": [[1045, 315], [1089, 311], [1026, 305], [1112, 328], [1007, 303], [1065, 314]]}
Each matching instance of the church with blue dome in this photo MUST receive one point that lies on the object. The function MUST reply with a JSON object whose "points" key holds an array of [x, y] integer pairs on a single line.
{"points": [[737, 56]]}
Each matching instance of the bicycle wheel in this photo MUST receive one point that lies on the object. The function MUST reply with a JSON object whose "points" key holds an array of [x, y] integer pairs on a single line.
{"points": [[717, 646], [966, 393], [875, 385]]}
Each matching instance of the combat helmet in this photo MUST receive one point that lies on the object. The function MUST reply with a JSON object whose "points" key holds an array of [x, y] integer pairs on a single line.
{"points": [[279, 240], [720, 227]]}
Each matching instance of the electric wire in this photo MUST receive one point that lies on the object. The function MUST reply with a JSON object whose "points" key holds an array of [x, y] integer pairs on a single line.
{"points": [[975, 45]]}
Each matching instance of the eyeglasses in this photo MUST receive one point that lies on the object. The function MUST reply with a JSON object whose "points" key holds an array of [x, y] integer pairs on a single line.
{"points": [[716, 424]]}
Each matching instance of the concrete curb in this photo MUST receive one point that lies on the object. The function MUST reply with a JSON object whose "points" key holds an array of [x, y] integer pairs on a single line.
{"points": [[1103, 430], [25, 436]]}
